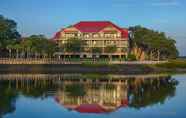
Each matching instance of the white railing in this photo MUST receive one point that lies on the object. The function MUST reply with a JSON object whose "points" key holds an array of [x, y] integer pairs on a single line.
{"points": [[36, 61], [61, 61], [138, 62]]}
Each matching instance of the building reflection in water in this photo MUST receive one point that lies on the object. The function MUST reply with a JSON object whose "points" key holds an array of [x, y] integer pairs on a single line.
{"points": [[90, 95], [87, 93]]}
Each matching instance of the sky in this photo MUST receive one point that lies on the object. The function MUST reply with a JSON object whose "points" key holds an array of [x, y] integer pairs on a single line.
{"points": [[49, 16]]}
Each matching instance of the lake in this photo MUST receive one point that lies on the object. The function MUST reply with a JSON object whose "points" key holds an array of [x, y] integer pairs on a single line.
{"points": [[92, 96]]}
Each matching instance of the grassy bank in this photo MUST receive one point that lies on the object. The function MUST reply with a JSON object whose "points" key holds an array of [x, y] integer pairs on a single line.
{"points": [[173, 66], [76, 68]]}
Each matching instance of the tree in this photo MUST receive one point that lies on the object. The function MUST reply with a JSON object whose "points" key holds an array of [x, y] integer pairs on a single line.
{"points": [[48, 47], [10, 47], [26, 45], [110, 49], [96, 50], [155, 44], [74, 45], [8, 32], [38, 45], [17, 48]]}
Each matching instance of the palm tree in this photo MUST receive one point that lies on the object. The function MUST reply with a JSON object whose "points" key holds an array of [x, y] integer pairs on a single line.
{"points": [[74, 45], [110, 49], [27, 46], [10, 47], [18, 48], [96, 51], [9, 44]]}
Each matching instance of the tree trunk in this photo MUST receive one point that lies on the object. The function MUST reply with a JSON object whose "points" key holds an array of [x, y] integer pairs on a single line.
{"points": [[17, 53], [35, 55], [151, 55], [110, 57], [10, 53], [27, 54], [158, 55]]}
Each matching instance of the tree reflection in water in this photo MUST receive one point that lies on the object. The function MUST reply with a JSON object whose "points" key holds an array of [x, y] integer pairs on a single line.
{"points": [[7, 98], [151, 91], [76, 92]]}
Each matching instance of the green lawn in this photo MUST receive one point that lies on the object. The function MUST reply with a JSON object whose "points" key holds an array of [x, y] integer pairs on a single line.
{"points": [[178, 63]]}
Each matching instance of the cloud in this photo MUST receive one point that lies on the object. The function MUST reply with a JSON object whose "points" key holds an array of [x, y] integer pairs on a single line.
{"points": [[157, 3], [166, 3]]}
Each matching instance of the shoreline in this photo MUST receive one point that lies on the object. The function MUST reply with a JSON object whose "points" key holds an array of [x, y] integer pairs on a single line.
{"points": [[83, 68], [34, 61], [82, 75]]}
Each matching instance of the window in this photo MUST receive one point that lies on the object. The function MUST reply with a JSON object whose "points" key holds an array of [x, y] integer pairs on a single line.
{"points": [[95, 35], [115, 35], [86, 35], [107, 35], [79, 35], [94, 42], [70, 35], [110, 35]]}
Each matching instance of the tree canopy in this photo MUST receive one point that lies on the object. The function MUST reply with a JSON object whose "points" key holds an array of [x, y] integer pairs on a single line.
{"points": [[74, 45], [155, 44], [8, 31], [96, 50], [110, 48], [33, 46], [38, 45]]}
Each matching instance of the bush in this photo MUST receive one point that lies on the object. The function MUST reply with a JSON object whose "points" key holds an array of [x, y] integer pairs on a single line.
{"points": [[131, 57]]}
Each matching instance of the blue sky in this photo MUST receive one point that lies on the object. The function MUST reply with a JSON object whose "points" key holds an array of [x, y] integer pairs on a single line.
{"points": [[48, 16]]}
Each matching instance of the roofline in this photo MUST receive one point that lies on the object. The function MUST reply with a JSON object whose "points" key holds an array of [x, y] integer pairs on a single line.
{"points": [[121, 29]]}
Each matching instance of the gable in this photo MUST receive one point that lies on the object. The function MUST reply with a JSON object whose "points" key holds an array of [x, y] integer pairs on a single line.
{"points": [[110, 29], [70, 30]]}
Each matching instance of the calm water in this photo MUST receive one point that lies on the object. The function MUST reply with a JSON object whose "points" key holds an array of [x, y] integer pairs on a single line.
{"points": [[92, 96]]}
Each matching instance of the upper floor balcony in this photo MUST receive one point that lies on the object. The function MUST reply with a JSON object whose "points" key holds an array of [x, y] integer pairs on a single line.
{"points": [[91, 35]]}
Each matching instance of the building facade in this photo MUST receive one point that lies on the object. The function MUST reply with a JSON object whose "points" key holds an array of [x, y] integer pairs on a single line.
{"points": [[96, 34]]}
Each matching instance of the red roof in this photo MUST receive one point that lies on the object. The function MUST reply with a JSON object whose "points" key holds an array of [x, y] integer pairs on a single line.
{"points": [[94, 27], [90, 108], [57, 35], [124, 33], [69, 31], [97, 26]]}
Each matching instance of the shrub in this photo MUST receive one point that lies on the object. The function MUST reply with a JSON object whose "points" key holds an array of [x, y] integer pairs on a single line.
{"points": [[131, 57]]}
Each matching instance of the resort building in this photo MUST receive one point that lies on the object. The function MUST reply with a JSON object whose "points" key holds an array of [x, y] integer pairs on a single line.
{"points": [[96, 35]]}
